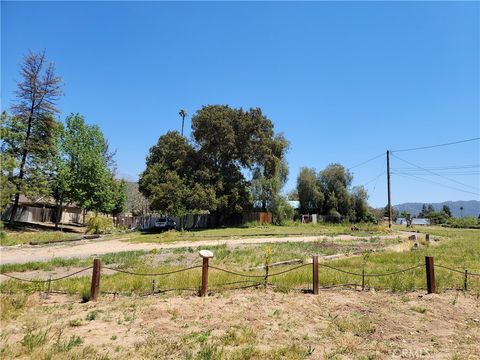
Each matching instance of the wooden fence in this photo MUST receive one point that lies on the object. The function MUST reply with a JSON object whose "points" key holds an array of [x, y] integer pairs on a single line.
{"points": [[192, 221], [252, 280]]}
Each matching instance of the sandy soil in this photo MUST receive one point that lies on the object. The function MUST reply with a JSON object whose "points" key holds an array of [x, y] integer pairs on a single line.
{"points": [[86, 248], [343, 324]]}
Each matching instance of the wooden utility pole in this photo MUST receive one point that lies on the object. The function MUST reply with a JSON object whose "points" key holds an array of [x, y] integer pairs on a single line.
{"points": [[388, 189]]}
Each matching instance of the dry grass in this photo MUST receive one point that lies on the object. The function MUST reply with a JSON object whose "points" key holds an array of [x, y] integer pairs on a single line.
{"points": [[247, 325]]}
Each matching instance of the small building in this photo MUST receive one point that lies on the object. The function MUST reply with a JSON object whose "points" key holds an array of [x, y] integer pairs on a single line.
{"points": [[43, 210], [415, 221], [420, 221]]}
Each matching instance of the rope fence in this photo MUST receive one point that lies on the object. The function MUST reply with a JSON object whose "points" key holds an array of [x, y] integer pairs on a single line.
{"points": [[253, 280]]}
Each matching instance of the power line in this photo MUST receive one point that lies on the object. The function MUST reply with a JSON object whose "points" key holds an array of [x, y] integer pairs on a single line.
{"points": [[438, 145], [434, 173], [437, 183], [472, 166], [374, 178], [366, 161], [421, 172]]}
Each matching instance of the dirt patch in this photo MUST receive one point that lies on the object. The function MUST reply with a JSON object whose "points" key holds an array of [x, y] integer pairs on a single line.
{"points": [[264, 324], [87, 248]]}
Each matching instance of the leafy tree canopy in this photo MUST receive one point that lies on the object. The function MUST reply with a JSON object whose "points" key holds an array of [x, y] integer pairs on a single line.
{"points": [[209, 173]]}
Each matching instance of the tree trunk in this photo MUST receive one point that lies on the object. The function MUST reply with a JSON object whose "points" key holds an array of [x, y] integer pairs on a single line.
{"points": [[59, 213]]}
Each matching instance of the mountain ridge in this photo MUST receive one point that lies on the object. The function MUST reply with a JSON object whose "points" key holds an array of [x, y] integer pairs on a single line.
{"points": [[470, 207]]}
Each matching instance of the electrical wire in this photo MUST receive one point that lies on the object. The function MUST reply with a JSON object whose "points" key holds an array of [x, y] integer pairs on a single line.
{"points": [[437, 183], [366, 161], [454, 167], [442, 176], [438, 145]]}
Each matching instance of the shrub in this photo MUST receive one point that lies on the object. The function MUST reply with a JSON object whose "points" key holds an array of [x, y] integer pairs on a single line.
{"points": [[99, 224], [462, 222], [333, 216], [282, 211], [33, 339]]}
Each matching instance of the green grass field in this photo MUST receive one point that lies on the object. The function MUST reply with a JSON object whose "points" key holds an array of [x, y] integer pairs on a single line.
{"points": [[25, 237], [457, 248]]}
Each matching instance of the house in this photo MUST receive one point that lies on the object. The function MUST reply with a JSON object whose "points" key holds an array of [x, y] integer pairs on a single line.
{"points": [[43, 210]]}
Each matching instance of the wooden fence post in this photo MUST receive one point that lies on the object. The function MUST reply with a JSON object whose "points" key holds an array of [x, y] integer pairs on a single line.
{"points": [[427, 238], [363, 279], [430, 271], [95, 286], [205, 255], [49, 284], [315, 274]]}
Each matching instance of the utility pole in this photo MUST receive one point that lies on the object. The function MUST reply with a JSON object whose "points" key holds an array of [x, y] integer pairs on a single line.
{"points": [[183, 114], [388, 189]]}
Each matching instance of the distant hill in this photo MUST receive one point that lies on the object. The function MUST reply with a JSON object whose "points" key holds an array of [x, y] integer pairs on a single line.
{"points": [[470, 208]]}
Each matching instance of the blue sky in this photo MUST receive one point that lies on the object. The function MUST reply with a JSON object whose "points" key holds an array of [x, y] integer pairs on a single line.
{"points": [[343, 81]]}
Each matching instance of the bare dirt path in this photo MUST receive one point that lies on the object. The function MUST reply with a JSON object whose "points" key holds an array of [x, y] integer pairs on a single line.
{"points": [[87, 248]]}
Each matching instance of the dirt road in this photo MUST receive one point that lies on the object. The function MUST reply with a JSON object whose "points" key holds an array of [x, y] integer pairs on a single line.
{"points": [[87, 248]]}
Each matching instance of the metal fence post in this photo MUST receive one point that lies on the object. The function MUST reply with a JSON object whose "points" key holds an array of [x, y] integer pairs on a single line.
{"points": [[315, 274], [95, 286], [465, 281], [430, 271]]}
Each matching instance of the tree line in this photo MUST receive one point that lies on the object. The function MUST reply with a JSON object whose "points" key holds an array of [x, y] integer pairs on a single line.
{"points": [[329, 193], [234, 162], [68, 161]]}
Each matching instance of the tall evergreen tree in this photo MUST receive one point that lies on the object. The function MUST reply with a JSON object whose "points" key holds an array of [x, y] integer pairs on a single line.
{"points": [[33, 122]]}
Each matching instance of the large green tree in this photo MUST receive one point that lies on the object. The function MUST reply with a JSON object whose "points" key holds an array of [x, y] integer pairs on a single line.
{"points": [[232, 141], [309, 193], [32, 126], [175, 181], [334, 182], [329, 193], [209, 174], [84, 169], [9, 146]]}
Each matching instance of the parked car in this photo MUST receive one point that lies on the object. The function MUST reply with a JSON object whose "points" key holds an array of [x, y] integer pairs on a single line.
{"points": [[165, 223]]}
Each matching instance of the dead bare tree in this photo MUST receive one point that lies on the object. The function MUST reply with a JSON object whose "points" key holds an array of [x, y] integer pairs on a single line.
{"points": [[37, 94]]}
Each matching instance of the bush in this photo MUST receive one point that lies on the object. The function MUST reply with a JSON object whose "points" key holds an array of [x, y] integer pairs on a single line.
{"points": [[462, 222], [99, 224], [282, 211], [333, 216]]}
